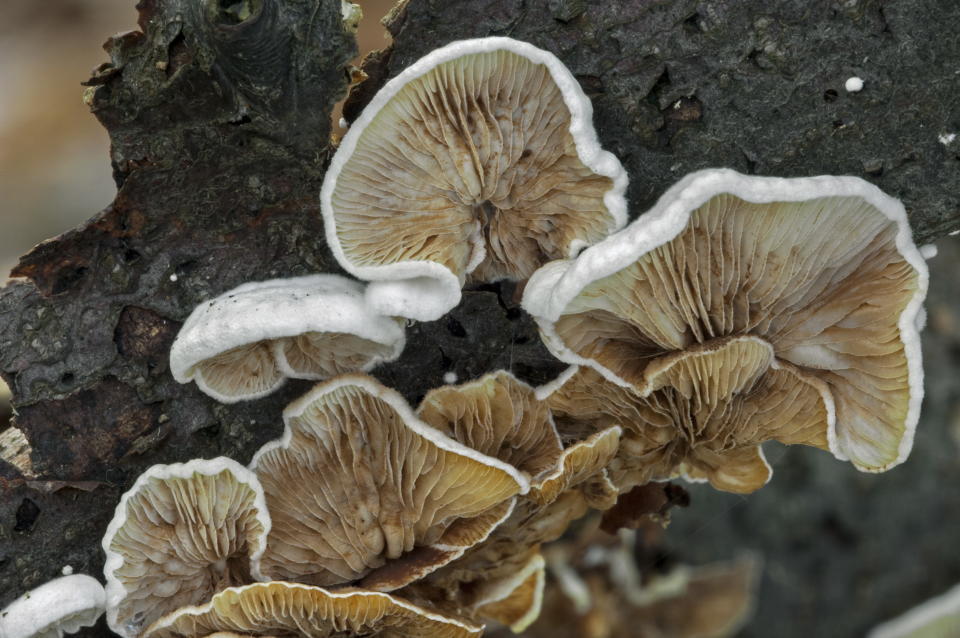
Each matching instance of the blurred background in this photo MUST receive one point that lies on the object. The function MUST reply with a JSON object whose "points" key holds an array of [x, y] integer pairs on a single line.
{"points": [[851, 548]]}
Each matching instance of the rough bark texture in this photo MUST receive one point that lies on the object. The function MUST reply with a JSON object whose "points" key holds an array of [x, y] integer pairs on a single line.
{"points": [[220, 131]]}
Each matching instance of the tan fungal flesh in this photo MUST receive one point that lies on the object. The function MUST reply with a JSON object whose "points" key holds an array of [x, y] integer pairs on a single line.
{"points": [[480, 142], [356, 486], [321, 355], [243, 371], [822, 281], [183, 540], [582, 462], [456, 539], [708, 410], [517, 605], [285, 609], [499, 416]]}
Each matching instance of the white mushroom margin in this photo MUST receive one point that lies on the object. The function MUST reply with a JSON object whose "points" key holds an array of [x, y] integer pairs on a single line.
{"points": [[555, 285], [63, 605], [272, 311], [426, 290]]}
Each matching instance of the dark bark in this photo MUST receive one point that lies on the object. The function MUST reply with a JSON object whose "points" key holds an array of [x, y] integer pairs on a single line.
{"points": [[220, 132]]}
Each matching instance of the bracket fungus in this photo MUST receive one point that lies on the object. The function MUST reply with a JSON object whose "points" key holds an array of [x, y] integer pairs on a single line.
{"points": [[246, 342], [374, 483], [180, 534], [292, 609], [479, 160], [62, 605], [822, 269]]}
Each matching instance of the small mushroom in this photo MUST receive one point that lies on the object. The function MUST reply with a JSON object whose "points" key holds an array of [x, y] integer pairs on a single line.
{"points": [[514, 600], [822, 269], [358, 483], [707, 411], [501, 416], [243, 344], [180, 534], [292, 609], [62, 605], [478, 160]]}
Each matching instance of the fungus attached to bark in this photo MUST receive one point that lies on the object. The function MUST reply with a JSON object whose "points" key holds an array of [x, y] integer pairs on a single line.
{"points": [[358, 483], [180, 534], [821, 269], [246, 342], [478, 160], [60, 606], [292, 609]]}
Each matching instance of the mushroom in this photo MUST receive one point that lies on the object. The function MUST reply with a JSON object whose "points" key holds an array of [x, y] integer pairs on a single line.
{"points": [[501, 416], [821, 269], [710, 601], [62, 605], [497, 415], [478, 160], [181, 533], [243, 344], [708, 410], [358, 481], [514, 600], [285, 609]]}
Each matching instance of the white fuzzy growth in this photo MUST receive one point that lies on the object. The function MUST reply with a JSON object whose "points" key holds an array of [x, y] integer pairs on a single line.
{"points": [[279, 308], [581, 129], [67, 570], [450, 377], [63, 605], [555, 285], [115, 590], [421, 298], [946, 138], [944, 609], [853, 84], [929, 251]]}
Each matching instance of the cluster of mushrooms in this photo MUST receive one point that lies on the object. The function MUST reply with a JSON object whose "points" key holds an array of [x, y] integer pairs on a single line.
{"points": [[738, 310]]}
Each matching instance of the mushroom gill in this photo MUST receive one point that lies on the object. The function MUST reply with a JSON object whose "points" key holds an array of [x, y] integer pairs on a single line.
{"points": [[706, 411], [358, 483], [822, 269]]}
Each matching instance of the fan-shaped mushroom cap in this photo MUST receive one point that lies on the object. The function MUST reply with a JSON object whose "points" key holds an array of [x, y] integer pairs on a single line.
{"points": [[373, 482], [62, 605], [497, 415], [823, 268], [705, 414], [479, 158], [283, 609], [244, 343], [501, 416], [181, 533], [514, 600]]}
